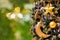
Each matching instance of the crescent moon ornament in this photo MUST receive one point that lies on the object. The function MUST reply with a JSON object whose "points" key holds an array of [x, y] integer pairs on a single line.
{"points": [[39, 32]]}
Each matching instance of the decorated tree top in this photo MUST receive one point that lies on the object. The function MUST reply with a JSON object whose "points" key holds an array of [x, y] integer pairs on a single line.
{"points": [[46, 20]]}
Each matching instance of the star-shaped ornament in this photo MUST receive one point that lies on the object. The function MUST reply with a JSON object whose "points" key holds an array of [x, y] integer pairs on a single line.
{"points": [[49, 9]]}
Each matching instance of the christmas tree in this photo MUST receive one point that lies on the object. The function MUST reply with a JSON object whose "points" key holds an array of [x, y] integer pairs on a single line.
{"points": [[46, 20]]}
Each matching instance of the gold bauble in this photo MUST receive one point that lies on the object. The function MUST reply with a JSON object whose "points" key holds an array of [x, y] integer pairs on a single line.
{"points": [[52, 24]]}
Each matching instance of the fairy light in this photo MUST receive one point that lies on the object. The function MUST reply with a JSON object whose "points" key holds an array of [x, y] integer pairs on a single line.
{"points": [[12, 16]]}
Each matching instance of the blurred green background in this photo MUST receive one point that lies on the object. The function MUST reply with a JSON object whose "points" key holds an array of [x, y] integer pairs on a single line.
{"points": [[18, 28]]}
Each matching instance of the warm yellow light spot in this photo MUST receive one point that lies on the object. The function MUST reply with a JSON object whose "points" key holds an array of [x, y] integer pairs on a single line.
{"points": [[17, 9], [36, 3], [8, 14], [25, 11], [52, 24]]}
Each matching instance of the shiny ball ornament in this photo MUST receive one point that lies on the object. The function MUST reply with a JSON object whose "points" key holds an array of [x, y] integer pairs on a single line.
{"points": [[52, 24]]}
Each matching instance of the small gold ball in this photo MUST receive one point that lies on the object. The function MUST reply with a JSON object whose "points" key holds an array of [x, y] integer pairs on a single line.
{"points": [[52, 24]]}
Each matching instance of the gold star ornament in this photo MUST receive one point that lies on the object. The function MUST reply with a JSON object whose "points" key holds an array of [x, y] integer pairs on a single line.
{"points": [[49, 9]]}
